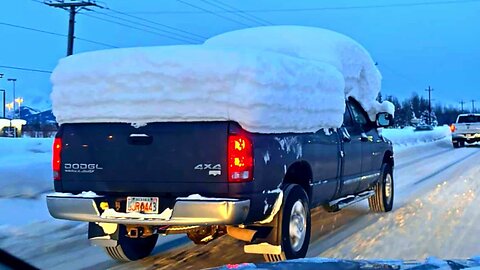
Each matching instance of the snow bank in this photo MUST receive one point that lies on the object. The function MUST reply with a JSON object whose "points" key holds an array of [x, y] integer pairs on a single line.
{"points": [[25, 167], [406, 137], [269, 79]]}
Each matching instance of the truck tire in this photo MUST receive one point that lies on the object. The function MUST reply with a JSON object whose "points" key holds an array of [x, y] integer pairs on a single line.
{"points": [[382, 201], [131, 249], [295, 225], [456, 145]]}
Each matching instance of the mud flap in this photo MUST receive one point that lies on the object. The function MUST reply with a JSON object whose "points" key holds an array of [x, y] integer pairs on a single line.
{"points": [[271, 243]]}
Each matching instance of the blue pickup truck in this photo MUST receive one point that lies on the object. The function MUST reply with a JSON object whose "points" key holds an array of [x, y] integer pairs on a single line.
{"points": [[209, 179]]}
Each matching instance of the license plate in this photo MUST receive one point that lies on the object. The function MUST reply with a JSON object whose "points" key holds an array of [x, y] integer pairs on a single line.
{"points": [[146, 205]]}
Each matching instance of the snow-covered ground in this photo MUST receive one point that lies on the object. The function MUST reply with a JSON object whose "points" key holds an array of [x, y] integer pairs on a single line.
{"points": [[25, 167], [441, 222], [407, 137], [27, 230]]}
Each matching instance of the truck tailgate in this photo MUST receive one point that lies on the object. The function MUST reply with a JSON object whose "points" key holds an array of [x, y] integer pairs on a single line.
{"points": [[467, 128], [158, 157]]}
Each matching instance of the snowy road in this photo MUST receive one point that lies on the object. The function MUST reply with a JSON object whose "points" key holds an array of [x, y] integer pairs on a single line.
{"points": [[435, 214]]}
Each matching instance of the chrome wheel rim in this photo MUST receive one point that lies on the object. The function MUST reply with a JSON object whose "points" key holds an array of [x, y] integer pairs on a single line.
{"points": [[298, 225], [388, 186]]}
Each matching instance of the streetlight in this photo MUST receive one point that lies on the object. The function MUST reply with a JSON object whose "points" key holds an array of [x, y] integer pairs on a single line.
{"points": [[19, 101], [13, 80], [9, 106], [3, 108]]}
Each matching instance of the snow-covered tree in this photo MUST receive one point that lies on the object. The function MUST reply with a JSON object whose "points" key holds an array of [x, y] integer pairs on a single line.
{"points": [[424, 118]]}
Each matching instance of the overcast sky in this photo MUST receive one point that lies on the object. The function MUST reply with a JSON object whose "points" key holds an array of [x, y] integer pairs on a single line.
{"points": [[416, 43]]}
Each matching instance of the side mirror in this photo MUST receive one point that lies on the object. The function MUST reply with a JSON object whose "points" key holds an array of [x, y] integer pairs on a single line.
{"points": [[384, 120]]}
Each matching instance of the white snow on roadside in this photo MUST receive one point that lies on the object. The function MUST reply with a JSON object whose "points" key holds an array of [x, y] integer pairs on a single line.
{"points": [[25, 167], [269, 79], [407, 137]]}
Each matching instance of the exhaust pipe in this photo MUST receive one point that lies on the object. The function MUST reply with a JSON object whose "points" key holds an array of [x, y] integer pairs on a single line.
{"points": [[245, 235]]}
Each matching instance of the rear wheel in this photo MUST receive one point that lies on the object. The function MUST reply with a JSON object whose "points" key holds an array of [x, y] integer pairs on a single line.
{"points": [[295, 225], [131, 249], [382, 201], [456, 145]]}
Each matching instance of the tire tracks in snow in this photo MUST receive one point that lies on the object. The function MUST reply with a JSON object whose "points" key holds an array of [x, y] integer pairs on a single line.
{"points": [[358, 223], [328, 229]]}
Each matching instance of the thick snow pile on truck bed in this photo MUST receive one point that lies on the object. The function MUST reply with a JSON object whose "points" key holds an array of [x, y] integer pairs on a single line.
{"points": [[268, 79], [361, 78]]}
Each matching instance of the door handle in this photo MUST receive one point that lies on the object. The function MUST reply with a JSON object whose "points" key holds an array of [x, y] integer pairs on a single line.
{"points": [[140, 139], [365, 138]]}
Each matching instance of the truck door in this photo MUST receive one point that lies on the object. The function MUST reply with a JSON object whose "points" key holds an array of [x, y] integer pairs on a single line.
{"points": [[369, 140], [322, 152], [351, 136]]}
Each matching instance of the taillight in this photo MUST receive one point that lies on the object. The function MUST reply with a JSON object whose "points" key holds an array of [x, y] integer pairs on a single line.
{"points": [[453, 128], [56, 162], [240, 159]]}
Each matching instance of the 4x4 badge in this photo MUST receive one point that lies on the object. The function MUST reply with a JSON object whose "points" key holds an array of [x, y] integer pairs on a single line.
{"points": [[213, 169]]}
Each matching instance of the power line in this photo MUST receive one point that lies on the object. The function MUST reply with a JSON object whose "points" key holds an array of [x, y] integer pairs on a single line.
{"points": [[243, 12], [160, 24], [240, 13], [134, 27], [213, 13], [96, 42], [399, 75], [33, 29], [26, 69], [432, 3], [183, 37], [56, 34]]}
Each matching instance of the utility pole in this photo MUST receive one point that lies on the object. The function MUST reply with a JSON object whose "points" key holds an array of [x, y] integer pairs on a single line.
{"points": [[429, 90], [3, 99], [73, 7], [3, 91], [473, 106], [462, 103], [13, 80]]}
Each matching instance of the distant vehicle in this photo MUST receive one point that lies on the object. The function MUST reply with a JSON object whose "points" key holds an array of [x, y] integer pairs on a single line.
{"points": [[254, 187], [465, 130], [424, 128]]}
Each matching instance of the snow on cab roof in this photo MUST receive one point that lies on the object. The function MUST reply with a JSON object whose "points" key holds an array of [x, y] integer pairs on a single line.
{"points": [[273, 79]]}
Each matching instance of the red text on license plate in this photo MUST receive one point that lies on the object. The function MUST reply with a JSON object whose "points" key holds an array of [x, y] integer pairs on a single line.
{"points": [[147, 205]]}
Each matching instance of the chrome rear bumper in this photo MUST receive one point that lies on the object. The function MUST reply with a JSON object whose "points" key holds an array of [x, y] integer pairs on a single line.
{"points": [[185, 212]]}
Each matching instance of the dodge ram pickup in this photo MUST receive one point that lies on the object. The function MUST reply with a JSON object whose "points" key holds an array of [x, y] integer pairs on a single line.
{"points": [[466, 130], [208, 179]]}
